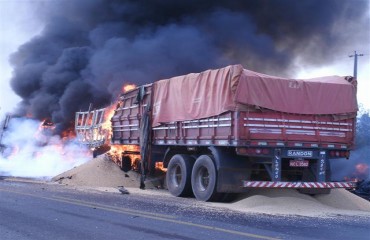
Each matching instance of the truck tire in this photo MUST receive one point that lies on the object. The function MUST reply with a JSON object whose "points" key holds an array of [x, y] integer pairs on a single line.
{"points": [[126, 164], [204, 179], [178, 175]]}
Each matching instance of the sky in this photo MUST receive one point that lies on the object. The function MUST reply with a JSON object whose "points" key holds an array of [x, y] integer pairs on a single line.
{"points": [[20, 22]]}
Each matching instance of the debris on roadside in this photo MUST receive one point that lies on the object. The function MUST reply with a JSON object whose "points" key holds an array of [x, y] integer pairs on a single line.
{"points": [[362, 189], [123, 190]]}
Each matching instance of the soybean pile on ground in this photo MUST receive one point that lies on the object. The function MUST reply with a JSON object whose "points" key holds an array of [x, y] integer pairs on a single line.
{"points": [[102, 174]]}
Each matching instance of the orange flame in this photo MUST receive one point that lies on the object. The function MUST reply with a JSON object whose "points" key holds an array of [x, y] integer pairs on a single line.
{"points": [[46, 124], [108, 114], [125, 148], [68, 134], [115, 153], [109, 111], [43, 137], [128, 87], [362, 169], [159, 165]]}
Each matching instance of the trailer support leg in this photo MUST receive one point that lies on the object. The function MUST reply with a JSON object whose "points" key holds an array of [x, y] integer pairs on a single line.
{"points": [[276, 166], [268, 168], [321, 167]]}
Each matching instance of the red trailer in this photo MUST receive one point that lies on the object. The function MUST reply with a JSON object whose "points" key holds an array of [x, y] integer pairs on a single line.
{"points": [[227, 130]]}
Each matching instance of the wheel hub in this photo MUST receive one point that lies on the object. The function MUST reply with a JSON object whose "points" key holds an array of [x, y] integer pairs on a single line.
{"points": [[203, 179]]}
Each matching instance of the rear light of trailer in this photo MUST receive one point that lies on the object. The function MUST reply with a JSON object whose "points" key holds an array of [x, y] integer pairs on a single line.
{"points": [[242, 151], [265, 151], [253, 151], [342, 154]]}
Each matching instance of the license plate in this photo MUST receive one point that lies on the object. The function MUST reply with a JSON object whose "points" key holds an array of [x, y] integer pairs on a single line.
{"points": [[298, 163]]}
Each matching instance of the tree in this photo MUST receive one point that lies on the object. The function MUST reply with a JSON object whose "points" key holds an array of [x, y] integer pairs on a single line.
{"points": [[363, 129]]}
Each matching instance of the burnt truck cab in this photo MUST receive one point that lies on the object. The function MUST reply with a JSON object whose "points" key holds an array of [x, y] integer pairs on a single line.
{"points": [[229, 130]]}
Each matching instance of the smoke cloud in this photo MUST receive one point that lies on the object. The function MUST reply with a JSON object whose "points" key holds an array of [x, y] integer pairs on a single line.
{"points": [[32, 152], [90, 48]]}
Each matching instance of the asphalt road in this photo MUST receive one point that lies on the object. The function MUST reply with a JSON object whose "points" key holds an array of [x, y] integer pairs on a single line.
{"points": [[35, 211]]}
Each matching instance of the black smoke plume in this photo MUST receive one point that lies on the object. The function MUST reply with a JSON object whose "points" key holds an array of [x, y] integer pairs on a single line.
{"points": [[89, 48]]}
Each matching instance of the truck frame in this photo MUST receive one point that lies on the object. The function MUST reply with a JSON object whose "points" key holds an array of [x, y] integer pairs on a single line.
{"points": [[242, 147]]}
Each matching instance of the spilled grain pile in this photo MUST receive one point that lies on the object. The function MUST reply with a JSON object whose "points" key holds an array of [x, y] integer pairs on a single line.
{"points": [[102, 172], [291, 202]]}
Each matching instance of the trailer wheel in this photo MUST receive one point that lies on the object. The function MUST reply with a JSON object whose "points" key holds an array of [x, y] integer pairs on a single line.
{"points": [[126, 163], [203, 179], [178, 175]]}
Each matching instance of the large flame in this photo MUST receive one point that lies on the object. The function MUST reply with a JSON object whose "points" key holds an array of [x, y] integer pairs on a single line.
{"points": [[107, 125], [109, 111]]}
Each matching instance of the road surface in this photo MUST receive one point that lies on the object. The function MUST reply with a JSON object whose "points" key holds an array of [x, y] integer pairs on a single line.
{"points": [[36, 211]]}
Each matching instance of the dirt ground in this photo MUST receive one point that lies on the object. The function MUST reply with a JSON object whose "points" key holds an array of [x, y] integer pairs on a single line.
{"points": [[103, 175]]}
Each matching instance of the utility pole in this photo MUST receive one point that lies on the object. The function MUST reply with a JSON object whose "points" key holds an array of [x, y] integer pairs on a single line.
{"points": [[355, 63]]}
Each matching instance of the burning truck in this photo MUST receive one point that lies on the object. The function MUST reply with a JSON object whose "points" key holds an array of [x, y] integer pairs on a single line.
{"points": [[224, 131]]}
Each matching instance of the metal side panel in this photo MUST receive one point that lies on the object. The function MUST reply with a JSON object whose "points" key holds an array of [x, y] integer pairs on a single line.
{"points": [[271, 125], [89, 128]]}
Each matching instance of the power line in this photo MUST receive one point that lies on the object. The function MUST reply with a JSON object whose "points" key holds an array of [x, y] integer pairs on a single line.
{"points": [[355, 63]]}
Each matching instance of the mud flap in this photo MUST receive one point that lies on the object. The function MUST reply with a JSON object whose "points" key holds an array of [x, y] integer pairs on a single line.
{"points": [[276, 166], [322, 174], [145, 146], [231, 170]]}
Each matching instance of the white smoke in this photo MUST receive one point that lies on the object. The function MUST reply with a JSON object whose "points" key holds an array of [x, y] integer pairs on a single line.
{"points": [[38, 154]]}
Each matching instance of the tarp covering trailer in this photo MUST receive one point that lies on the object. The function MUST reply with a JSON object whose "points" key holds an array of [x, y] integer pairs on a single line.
{"points": [[213, 92]]}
